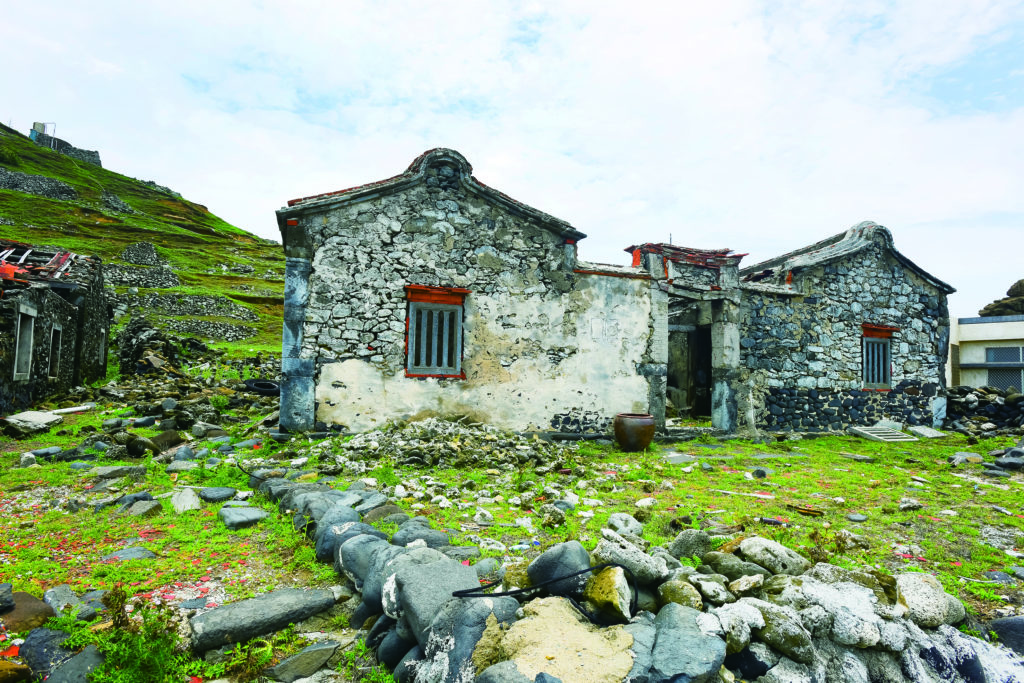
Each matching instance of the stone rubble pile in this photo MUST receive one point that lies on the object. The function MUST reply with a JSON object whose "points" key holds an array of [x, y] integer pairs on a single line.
{"points": [[1013, 304], [753, 610], [436, 442], [985, 410]]}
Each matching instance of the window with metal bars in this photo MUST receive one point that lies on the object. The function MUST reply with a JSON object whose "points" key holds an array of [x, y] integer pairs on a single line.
{"points": [[1004, 378], [435, 339], [876, 363], [24, 340], [1002, 354]]}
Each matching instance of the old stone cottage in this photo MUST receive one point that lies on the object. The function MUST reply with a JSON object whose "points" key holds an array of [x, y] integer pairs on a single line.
{"points": [[53, 323], [843, 332], [430, 293]]}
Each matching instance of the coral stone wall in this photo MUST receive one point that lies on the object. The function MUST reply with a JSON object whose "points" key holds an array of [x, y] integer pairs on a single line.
{"points": [[802, 354]]}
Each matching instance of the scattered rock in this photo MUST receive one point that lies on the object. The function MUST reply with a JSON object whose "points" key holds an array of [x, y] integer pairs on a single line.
{"points": [[240, 518], [773, 556], [185, 500]]}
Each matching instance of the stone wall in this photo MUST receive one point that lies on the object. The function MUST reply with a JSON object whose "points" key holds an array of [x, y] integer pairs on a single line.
{"points": [[66, 148], [544, 347], [49, 310], [813, 341], [183, 304], [141, 276]]}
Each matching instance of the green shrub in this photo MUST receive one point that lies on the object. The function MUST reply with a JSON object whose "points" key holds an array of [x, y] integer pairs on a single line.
{"points": [[8, 156]]}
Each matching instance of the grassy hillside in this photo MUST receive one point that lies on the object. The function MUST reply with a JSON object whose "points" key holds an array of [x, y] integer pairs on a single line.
{"points": [[196, 243]]}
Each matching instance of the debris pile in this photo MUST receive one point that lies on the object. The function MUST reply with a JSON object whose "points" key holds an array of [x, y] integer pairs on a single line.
{"points": [[985, 410], [436, 442]]}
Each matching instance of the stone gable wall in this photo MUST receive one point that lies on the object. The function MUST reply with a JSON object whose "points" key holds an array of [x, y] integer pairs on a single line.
{"points": [[793, 347], [544, 347]]}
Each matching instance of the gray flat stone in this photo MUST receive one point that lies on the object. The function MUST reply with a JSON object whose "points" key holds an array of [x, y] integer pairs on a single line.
{"points": [[179, 466], [217, 494], [240, 518], [129, 554], [925, 432], [145, 508], [117, 471], [247, 619], [305, 662]]}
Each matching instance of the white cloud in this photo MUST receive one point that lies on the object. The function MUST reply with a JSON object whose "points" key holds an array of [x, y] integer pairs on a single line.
{"points": [[719, 123]]}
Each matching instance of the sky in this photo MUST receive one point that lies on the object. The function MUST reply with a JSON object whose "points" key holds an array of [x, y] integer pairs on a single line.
{"points": [[755, 126]]}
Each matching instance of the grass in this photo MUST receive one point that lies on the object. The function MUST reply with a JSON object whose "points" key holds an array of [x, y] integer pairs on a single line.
{"points": [[803, 502]]}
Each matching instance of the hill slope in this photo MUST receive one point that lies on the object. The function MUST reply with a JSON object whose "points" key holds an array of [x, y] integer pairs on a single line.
{"points": [[52, 199]]}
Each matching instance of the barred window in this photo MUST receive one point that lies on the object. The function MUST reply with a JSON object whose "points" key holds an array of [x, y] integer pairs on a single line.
{"points": [[1002, 354], [876, 363], [435, 339], [1004, 378], [434, 331]]}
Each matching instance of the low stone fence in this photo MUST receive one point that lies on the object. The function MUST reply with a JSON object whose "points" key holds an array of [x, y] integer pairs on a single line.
{"points": [[822, 410]]}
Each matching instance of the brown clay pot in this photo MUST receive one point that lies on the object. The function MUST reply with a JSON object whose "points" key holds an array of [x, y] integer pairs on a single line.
{"points": [[634, 431]]}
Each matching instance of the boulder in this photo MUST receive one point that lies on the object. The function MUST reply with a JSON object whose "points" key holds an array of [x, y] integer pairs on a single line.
{"points": [[690, 543], [620, 522], [329, 538], [304, 663], [408, 533], [6, 597], [737, 620], [29, 422], [925, 598], [423, 589], [78, 668], [29, 612], [680, 592], [185, 500], [607, 596], [62, 598], [503, 672], [646, 570], [43, 650], [455, 632], [783, 630], [240, 518], [217, 494], [133, 553], [1011, 632], [733, 567], [247, 619], [558, 561], [682, 652], [773, 556], [354, 556]]}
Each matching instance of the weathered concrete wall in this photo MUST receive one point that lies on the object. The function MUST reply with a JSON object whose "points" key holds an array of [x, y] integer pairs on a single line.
{"points": [[813, 341], [49, 311], [544, 347]]}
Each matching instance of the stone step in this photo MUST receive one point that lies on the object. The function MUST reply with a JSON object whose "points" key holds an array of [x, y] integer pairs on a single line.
{"points": [[883, 434]]}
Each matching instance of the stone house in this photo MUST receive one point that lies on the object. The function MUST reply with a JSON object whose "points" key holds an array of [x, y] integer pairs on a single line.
{"points": [[53, 323], [430, 293], [843, 332]]}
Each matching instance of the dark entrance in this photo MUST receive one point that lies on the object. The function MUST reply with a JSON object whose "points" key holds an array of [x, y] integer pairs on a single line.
{"points": [[689, 370]]}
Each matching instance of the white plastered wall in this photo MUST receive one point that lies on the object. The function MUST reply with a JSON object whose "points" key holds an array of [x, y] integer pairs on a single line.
{"points": [[527, 360]]}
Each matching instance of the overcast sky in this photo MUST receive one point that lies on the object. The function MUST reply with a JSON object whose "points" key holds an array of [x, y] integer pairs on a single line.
{"points": [[761, 127]]}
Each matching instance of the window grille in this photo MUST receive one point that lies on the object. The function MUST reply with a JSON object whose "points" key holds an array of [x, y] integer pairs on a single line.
{"points": [[1002, 354], [876, 363], [435, 339], [1004, 378]]}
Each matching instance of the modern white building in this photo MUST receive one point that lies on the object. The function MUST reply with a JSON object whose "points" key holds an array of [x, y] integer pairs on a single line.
{"points": [[987, 352]]}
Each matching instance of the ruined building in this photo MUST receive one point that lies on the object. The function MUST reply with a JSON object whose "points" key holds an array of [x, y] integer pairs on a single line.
{"points": [[430, 293], [53, 323]]}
